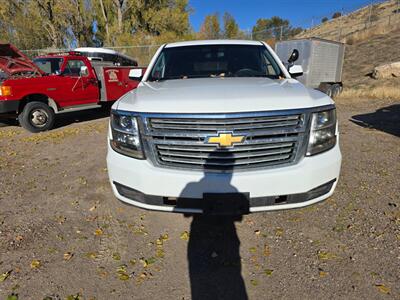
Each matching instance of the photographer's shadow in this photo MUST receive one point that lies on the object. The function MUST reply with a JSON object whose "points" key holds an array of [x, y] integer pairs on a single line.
{"points": [[214, 246]]}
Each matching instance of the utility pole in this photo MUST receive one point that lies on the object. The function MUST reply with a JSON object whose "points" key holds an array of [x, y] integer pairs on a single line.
{"points": [[370, 14]]}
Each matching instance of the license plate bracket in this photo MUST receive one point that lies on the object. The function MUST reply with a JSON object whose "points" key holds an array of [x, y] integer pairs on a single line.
{"points": [[226, 203]]}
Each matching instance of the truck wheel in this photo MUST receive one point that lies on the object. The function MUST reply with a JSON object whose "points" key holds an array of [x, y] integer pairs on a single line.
{"points": [[36, 117], [336, 89]]}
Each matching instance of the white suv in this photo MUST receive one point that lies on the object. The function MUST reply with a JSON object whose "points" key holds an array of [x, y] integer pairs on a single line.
{"points": [[221, 127]]}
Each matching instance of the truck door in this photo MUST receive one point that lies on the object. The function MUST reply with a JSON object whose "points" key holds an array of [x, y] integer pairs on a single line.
{"points": [[78, 89], [117, 82]]}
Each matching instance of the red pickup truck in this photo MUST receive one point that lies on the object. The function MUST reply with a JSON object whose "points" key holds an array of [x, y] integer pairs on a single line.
{"points": [[37, 90]]}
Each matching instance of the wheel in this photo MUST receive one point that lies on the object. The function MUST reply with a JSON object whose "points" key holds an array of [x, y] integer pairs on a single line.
{"points": [[329, 92], [336, 90], [36, 117]]}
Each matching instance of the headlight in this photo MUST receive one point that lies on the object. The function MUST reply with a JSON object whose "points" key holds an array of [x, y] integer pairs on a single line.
{"points": [[323, 132], [125, 137]]}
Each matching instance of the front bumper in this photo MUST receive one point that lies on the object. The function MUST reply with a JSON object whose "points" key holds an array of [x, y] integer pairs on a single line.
{"points": [[139, 183], [8, 106]]}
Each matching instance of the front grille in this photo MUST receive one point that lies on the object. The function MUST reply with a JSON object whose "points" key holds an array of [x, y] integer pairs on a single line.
{"points": [[181, 142]]}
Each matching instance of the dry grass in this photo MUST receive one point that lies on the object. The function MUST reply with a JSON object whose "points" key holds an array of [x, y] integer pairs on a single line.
{"points": [[381, 92], [357, 26]]}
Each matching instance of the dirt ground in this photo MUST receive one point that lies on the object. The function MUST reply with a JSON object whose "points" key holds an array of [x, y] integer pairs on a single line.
{"points": [[63, 235]]}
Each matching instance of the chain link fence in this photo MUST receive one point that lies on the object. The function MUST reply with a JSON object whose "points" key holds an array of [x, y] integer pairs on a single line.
{"points": [[379, 17]]}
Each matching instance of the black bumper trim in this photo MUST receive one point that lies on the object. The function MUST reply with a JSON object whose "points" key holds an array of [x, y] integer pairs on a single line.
{"points": [[194, 203], [8, 106]]}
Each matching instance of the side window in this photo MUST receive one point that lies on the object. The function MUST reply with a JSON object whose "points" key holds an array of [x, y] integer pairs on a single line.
{"points": [[269, 65], [73, 67], [159, 68]]}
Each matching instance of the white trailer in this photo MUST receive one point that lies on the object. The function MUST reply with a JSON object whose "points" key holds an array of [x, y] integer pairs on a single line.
{"points": [[322, 62]]}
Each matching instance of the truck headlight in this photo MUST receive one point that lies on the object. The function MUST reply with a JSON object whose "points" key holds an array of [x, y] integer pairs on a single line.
{"points": [[125, 137], [323, 132]]}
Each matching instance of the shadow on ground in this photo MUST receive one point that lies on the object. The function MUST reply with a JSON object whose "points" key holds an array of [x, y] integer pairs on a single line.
{"points": [[214, 259], [385, 119], [213, 249], [68, 118]]}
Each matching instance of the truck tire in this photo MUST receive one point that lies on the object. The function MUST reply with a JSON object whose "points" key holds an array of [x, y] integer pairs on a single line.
{"points": [[36, 117], [336, 89]]}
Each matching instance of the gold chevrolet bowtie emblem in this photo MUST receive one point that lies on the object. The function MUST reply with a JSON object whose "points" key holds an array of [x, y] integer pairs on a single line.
{"points": [[225, 140]]}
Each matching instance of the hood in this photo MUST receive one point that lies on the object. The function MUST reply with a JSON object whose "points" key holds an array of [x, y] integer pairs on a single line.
{"points": [[221, 95], [13, 61]]}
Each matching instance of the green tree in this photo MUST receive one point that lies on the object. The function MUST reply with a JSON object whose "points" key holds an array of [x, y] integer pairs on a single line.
{"points": [[336, 15], [126, 21], [231, 28], [273, 28], [210, 29]]}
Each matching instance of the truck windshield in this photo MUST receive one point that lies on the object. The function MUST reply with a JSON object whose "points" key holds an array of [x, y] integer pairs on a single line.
{"points": [[215, 61], [49, 65]]}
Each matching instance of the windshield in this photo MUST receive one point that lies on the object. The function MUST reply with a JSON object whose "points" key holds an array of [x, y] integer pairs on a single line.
{"points": [[215, 61], [50, 65]]}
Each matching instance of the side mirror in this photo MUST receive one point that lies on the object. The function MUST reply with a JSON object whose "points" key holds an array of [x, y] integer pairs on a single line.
{"points": [[294, 56], [83, 72], [296, 71], [136, 74]]}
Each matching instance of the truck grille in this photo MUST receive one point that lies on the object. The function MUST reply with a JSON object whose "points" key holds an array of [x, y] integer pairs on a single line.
{"points": [[270, 140]]}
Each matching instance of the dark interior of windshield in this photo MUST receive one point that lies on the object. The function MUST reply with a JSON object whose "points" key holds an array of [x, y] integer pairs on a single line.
{"points": [[49, 65], [214, 61]]}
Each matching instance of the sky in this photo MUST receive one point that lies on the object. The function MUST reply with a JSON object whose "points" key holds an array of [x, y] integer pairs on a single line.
{"points": [[303, 13]]}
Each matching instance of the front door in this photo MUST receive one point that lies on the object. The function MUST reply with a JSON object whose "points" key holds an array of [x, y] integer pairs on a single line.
{"points": [[77, 89]]}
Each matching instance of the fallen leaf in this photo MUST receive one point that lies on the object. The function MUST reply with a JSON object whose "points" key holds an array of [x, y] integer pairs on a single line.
{"points": [[91, 255], [74, 297], [92, 208], [253, 249], [123, 276], [98, 231], [19, 238], [122, 269], [325, 255], [268, 272], [254, 282], [185, 236], [82, 180], [148, 261], [322, 274], [382, 288], [160, 253], [116, 256], [132, 262], [68, 255], [159, 242], [267, 251], [257, 232], [164, 237], [279, 231], [12, 297], [35, 264], [4, 276]]}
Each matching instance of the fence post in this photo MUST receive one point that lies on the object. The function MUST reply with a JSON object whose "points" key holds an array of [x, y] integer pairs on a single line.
{"points": [[281, 33]]}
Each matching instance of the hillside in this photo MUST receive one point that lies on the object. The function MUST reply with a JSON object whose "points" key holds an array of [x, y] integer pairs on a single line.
{"points": [[362, 57], [359, 25]]}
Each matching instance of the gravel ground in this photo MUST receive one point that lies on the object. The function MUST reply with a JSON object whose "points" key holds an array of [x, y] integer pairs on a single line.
{"points": [[63, 235]]}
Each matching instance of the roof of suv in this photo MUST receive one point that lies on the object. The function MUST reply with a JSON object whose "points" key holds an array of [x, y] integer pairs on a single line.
{"points": [[213, 42]]}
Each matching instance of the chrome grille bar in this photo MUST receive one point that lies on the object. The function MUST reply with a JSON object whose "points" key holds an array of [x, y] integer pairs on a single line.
{"points": [[270, 140]]}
